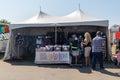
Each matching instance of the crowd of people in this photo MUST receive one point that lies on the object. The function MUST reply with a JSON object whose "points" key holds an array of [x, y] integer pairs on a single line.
{"points": [[87, 47]]}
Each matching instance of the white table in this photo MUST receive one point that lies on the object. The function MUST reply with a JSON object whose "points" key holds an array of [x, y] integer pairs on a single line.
{"points": [[52, 57]]}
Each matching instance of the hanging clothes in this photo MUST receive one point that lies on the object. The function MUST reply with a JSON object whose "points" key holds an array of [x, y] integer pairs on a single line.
{"points": [[0, 29], [6, 29], [3, 31]]}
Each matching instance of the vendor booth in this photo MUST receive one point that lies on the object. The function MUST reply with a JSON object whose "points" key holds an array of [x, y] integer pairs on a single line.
{"points": [[46, 37]]}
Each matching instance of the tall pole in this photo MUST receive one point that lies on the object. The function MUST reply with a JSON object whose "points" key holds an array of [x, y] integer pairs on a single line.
{"points": [[55, 34], [79, 6]]}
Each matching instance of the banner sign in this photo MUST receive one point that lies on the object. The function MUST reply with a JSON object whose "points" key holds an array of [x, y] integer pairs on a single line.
{"points": [[117, 35], [52, 57]]}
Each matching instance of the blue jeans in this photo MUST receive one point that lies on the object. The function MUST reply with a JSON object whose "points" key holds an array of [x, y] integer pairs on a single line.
{"points": [[99, 56]]}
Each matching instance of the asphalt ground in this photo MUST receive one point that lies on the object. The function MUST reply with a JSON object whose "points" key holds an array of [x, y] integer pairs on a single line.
{"points": [[27, 70]]}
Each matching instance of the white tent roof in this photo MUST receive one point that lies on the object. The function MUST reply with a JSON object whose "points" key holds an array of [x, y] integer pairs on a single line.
{"points": [[80, 16], [77, 17]]}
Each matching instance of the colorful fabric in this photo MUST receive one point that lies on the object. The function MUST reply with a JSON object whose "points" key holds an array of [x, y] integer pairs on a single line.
{"points": [[0, 29], [3, 29], [6, 29]]}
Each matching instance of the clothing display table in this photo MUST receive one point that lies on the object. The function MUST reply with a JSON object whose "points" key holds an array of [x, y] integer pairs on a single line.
{"points": [[52, 57]]}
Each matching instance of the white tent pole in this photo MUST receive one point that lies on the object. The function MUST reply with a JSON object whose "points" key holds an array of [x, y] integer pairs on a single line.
{"points": [[79, 6]]}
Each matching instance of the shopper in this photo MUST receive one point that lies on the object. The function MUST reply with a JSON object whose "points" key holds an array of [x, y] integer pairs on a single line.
{"points": [[87, 48], [74, 42], [118, 58], [113, 51], [97, 44], [74, 47], [80, 44]]}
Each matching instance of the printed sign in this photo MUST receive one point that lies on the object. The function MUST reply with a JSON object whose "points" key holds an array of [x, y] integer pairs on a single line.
{"points": [[52, 57]]}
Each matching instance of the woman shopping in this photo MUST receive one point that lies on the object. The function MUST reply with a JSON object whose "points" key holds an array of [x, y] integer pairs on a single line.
{"points": [[87, 48]]}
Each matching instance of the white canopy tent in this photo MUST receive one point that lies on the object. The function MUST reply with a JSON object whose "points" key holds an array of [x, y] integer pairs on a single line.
{"points": [[77, 17], [42, 20]]}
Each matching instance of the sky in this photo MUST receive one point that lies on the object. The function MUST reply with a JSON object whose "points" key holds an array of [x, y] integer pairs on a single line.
{"points": [[19, 10]]}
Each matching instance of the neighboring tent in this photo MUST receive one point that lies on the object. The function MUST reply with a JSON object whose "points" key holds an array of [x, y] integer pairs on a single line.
{"points": [[77, 18]]}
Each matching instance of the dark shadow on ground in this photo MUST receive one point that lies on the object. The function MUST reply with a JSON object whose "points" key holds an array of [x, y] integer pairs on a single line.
{"points": [[62, 66], [110, 73], [31, 63], [20, 62], [109, 65], [85, 70]]}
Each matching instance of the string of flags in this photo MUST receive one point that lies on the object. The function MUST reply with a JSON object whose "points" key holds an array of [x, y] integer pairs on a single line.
{"points": [[4, 29]]}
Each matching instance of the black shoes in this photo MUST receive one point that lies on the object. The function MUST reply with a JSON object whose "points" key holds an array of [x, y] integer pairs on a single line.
{"points": [[93, 68], [102, 68]]}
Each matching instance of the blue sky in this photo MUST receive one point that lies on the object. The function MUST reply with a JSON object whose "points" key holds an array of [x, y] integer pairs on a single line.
{"points": [[19, 10]]}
